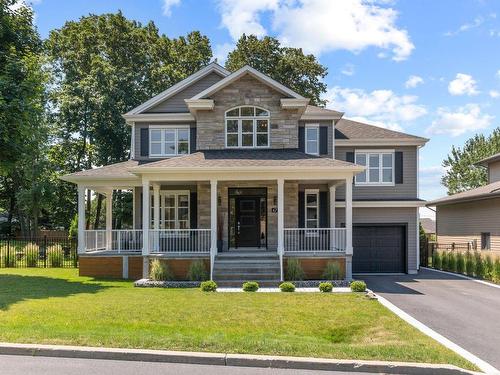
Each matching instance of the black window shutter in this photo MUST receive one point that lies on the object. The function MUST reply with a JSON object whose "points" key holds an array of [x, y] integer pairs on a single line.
{"points": [[302, 137], [398, 167], [323, 140], [144, 142], [193, 219], [349, 156], [192, 140], [301, 210], [323, 209]]}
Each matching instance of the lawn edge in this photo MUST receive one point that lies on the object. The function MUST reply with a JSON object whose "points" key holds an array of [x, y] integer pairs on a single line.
{"points": [[484, 282], [224, 359]]}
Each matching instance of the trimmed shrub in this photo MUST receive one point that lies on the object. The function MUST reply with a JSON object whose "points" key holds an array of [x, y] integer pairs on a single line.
{"points": [[160, 271], [250, 286], [287, 287], [55, 255], [444, 261], [469, 264], [478, 265], [325, 287], [208, 286], [452, 261], [488, 268], [294, 271], [496, 270], [460, 263], [197, 271], [358, 286], [436, 260], [332, 271], [31, 252]]}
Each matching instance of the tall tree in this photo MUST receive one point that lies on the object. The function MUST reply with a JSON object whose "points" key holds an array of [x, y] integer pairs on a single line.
{"points": [[289, 66], [461, 173], [104, 65]]}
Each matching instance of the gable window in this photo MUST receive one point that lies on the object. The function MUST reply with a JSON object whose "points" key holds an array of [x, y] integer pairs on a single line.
{"points": [[485, 241], [168, 141], [379, 167], [311, 201], [174, 210], [247, 127], [312, 139]]}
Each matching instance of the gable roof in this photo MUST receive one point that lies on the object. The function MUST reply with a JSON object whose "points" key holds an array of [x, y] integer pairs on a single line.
{"points": [[483, 192], [240, 73], [490, 159], [349, 130], [317, 113], [172, 90]]}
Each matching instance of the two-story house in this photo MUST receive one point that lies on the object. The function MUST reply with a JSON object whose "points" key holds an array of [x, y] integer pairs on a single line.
{"points": [[240, 171]]}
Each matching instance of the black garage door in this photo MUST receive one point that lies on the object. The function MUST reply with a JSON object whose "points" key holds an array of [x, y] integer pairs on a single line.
{"points": [[378, 249]]}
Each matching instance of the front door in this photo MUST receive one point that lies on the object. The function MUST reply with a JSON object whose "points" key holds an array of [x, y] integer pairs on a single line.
{"points": [[247, 223]]}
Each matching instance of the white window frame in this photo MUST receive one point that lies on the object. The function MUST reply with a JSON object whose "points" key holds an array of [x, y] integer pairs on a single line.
{"points": [[380, 154], [306, 142], [311, 231], [255, 133], [163, 128], [163, 197]]}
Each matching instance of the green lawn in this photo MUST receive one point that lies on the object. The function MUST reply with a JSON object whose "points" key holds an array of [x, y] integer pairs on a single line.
{"points": [[57, 306]]}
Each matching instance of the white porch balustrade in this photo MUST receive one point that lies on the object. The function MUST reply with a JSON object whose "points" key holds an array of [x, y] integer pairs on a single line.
{"points": [[331, 240], [183, 241], [119, 240]]}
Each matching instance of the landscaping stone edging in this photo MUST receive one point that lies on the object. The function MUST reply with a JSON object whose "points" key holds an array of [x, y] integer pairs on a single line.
{"points": [[148, 283], [223, 359]]}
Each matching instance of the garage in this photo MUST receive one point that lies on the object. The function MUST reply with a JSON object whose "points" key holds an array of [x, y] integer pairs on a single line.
{"points": [[379, 249]]}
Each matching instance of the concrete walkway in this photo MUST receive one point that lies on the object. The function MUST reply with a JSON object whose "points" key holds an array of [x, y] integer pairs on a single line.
{"points": [[464, 311]]}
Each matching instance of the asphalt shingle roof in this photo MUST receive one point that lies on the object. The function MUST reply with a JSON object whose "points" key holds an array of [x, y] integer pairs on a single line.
{"points": [[487, 191], [349, 129]]}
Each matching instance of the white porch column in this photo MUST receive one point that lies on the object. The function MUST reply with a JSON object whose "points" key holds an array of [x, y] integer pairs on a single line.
{"points": [[281, 223], [81, 219], [213, 224], [156, 216], [333, 233], [348, 225], [109, 220], [145, 227]]}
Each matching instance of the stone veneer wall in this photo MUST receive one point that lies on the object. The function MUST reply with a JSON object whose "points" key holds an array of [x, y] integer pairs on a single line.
{"points": [[247, 91]]}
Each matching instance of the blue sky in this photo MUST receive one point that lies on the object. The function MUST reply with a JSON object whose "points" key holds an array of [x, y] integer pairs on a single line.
{"points": [[430, 68]]}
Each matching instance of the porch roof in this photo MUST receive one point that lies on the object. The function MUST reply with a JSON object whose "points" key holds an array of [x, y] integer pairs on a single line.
{"points": [[113, 171]]}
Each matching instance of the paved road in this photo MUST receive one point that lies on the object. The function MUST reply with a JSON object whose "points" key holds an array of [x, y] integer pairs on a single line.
{"points": [[464, 311], [22, 365]]}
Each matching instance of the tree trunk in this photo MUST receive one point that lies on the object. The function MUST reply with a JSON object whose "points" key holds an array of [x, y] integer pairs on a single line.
{"points": [[98, 211], [89, 206]]}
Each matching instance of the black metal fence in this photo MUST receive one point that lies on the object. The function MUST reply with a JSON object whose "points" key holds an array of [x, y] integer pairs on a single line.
{"points": [[427, 249], [41, 252]]}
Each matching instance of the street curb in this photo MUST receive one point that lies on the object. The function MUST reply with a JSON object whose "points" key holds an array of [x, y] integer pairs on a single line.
{"points": [[221, 359], [488, 283]]}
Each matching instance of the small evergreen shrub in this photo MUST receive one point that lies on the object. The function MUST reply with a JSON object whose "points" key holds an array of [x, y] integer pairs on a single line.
{"points": [[452, 261], [250, 286], [197, 271], [287, 287], [358, 286], [332, 271], [460, 263], [55, 255], [325, 287], [208, 286], [160, 271], [31, 252], [478, 265], [469, 264], [436, 260], [444, 261], [294, 271], [488, 268], [496, 270]]}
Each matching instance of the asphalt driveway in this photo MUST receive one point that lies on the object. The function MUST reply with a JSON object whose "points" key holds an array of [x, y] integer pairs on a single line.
{"points": [[464, 311]]}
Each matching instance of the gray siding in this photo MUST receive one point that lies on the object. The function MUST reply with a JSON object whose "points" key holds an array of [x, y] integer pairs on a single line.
{"points": [[176, 103], [327, 123], [378, 215], [405, 191]]}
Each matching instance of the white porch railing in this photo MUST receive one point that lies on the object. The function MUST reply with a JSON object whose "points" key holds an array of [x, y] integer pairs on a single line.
{"points": [[95, 240], [163, 241], [122, 240], [314, 239]]}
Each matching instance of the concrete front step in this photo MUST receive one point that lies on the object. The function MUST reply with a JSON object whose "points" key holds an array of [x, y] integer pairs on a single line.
{"points": [[255, 270], [246, 277]]}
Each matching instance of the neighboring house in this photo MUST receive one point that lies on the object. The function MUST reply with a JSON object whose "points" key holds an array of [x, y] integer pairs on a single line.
{"points": [[242, 172], [429, 227], [472, 216]]}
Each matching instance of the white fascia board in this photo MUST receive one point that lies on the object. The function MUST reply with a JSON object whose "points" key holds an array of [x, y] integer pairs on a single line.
{"points": [[287, 103], [212, 67], [239, 73], [321, 116], [383, 204], [159, 117], [381, 142]]}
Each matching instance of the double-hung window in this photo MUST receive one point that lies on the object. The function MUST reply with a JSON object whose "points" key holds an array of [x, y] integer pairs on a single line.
{"points": [[174, 210], [168, 141], [247, 127], [379, 167], [312, 139], [311, 201]]}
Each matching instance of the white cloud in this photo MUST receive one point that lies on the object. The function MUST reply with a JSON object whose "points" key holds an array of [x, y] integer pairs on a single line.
{"points": [[348, 70], [320, 26], [379, 107], [168, 5], [494, 94], [463, 84], [413, 81], [478, 21], [497, 74], [466, 119], [221, 51]]}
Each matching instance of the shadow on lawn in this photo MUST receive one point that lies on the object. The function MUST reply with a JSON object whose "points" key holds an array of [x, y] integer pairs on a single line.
{"points": [[16, 288]]}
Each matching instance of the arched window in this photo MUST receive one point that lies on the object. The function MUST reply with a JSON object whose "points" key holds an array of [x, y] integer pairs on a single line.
{"points": [[247, 127]]}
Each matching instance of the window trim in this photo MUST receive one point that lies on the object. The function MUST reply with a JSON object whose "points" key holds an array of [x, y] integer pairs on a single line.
{"points": [[306, 193], [380, 152], [315, 127], [163, 195], [487, 242], [176, 128], [255, 133]]}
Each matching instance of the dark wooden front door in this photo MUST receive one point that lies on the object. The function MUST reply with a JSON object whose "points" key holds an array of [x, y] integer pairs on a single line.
{"points": [[247, 221]]}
